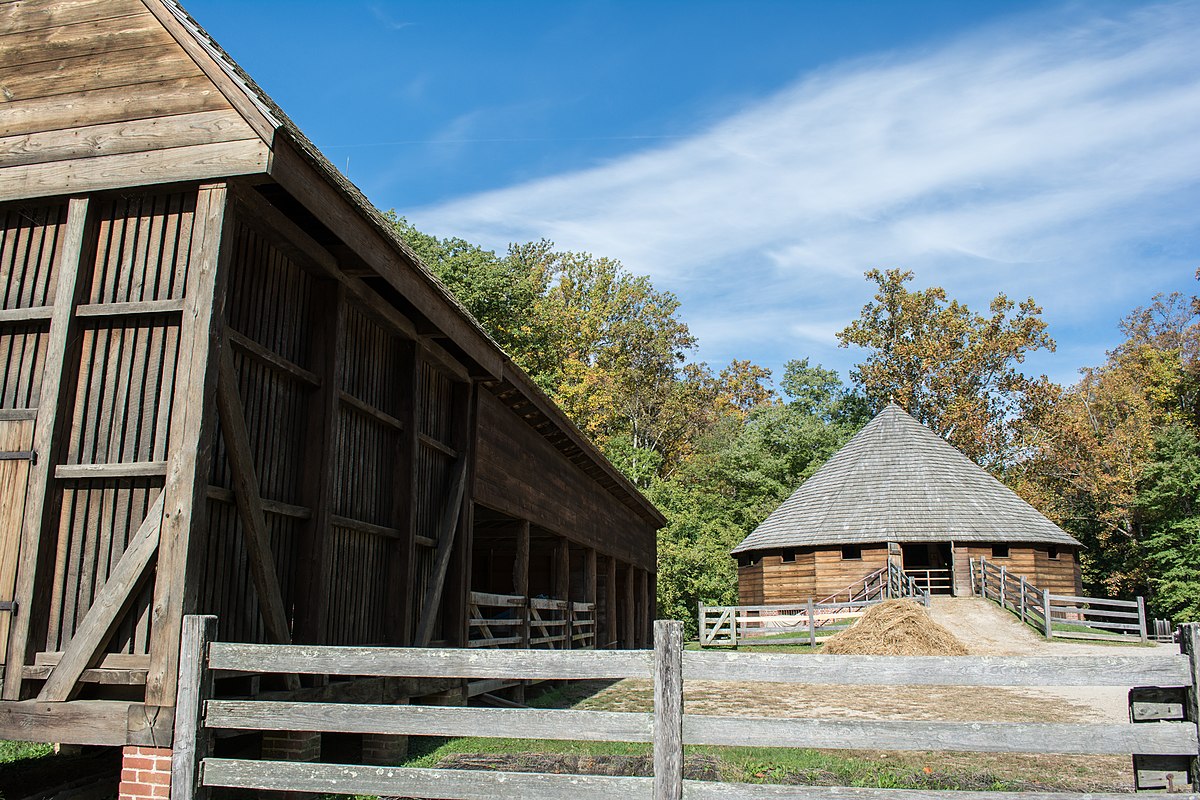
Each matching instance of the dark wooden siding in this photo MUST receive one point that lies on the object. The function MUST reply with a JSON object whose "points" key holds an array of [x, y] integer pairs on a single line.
{"points": [[520, 473]]}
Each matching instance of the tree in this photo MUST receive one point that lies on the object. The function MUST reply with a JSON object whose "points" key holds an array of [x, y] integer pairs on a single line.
{"points": [[1169, 499], [954, 370]]}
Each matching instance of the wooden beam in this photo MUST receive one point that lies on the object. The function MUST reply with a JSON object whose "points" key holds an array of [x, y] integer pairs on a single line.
{"points": [[403, 565], [589, 576], [190, 454], [93, 722], [249, 503], [86, 646], [36, 548], [451, 515], [190, 163]]}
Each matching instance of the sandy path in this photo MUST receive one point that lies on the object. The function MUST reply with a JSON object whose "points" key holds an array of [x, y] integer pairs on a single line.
{"points": [[988, 631]]}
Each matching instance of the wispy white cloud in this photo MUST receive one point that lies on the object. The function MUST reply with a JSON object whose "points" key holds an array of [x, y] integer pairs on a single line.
{"points": [[1038, 157]]}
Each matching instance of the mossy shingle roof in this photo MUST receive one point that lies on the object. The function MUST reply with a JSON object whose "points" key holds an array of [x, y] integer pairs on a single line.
{"points": [[898, 481]]}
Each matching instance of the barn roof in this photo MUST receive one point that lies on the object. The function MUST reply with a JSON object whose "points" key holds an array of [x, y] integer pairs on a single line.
{"points": [[898, 481]]}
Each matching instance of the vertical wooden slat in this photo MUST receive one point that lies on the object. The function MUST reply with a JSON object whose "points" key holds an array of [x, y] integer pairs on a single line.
{"points": [[611, 626], [185, 488], [47, 437], [630, 621], [192, 742], [668, 709]]}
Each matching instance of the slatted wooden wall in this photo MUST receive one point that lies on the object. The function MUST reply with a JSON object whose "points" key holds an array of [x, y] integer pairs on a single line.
{"points": [[115, 452], [269, 318], [366, 487]]}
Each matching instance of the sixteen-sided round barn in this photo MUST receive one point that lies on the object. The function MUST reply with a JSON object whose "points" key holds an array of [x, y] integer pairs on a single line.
{"points": [[898, 490], [227, 387]]}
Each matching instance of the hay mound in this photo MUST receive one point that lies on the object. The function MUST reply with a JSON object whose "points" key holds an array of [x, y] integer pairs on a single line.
{"points": [[895, 628]]}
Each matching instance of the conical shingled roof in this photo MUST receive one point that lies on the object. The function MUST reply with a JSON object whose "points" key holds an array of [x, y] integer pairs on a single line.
{"points": [[898, 481]]}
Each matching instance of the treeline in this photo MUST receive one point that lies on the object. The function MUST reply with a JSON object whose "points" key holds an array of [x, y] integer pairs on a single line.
{"points": [[1114, 459]]}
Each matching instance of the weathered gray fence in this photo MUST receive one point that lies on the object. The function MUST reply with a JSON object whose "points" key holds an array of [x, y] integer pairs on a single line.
{"points": [[805, 622], [1060, 616], [198, 715]]}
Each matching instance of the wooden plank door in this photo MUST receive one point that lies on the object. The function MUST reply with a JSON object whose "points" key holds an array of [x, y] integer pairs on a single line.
{"points": [[16, 441]]}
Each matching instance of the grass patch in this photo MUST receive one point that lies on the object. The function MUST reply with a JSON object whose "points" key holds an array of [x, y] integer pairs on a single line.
{"points": [[20, 751]]}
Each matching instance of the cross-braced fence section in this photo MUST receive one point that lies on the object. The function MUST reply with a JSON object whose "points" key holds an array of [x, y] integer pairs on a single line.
{"points": [[1060, 616], [1162, 737], [501, 620]]}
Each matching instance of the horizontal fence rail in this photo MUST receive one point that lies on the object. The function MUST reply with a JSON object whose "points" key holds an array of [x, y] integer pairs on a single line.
{"points": [[668, 727], [1058, 615]]}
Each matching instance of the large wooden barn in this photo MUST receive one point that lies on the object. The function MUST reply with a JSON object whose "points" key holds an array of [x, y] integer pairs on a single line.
{"points": [[898, 490], [227, 387]]}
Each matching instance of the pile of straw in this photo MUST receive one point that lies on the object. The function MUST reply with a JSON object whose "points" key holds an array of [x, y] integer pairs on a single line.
{"points": [[895, 628]]}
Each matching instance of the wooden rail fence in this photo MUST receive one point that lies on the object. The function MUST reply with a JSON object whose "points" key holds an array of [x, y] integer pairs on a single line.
{"points": [[1060, 616], [1167, 750], [501, 620], [806, 622]]}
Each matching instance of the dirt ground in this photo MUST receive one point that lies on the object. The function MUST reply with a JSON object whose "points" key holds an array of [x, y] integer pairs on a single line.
{"points": [[986, 630]]}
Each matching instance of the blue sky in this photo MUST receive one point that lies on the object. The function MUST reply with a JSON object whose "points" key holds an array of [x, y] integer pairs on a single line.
{"points": [[755, 158]]}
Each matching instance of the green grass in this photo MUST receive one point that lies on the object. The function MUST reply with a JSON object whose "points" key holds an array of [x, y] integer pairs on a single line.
{"points": [[19, 751]]}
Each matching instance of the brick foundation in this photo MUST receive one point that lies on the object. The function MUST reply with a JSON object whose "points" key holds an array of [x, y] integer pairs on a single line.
{"points": [[384, 750], [145, 773], [291, 746]]}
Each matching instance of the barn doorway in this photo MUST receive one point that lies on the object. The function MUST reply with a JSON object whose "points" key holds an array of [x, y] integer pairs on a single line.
{"points": [[930, 566]]}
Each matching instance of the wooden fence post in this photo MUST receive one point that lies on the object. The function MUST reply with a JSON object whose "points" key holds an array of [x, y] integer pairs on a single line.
{"points": [[812, 625], [1023, 590], [700, 622], [1049, 629], [192, 742], [668, 709], [1189, 645], [1141, 601], [1003, 581]]}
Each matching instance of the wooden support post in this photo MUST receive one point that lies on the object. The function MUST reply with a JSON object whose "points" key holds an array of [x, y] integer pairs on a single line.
{"points": [[410, 449], [1003, 582], [611, 625], [589, 575], [192, 741], [630, 639], [562, 586], [1189, 644], [668, 710], [648, 607], [37, 544], [457, 586], [186, 487], [812, 624], [700, 624], [1141, 601], [1024, 589], [521, 578], [321, 457], [1048, 628], [971, 572]]}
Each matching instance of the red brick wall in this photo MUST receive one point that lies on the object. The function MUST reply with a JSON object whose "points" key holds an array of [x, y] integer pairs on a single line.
{"points": [[145, 773]]}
